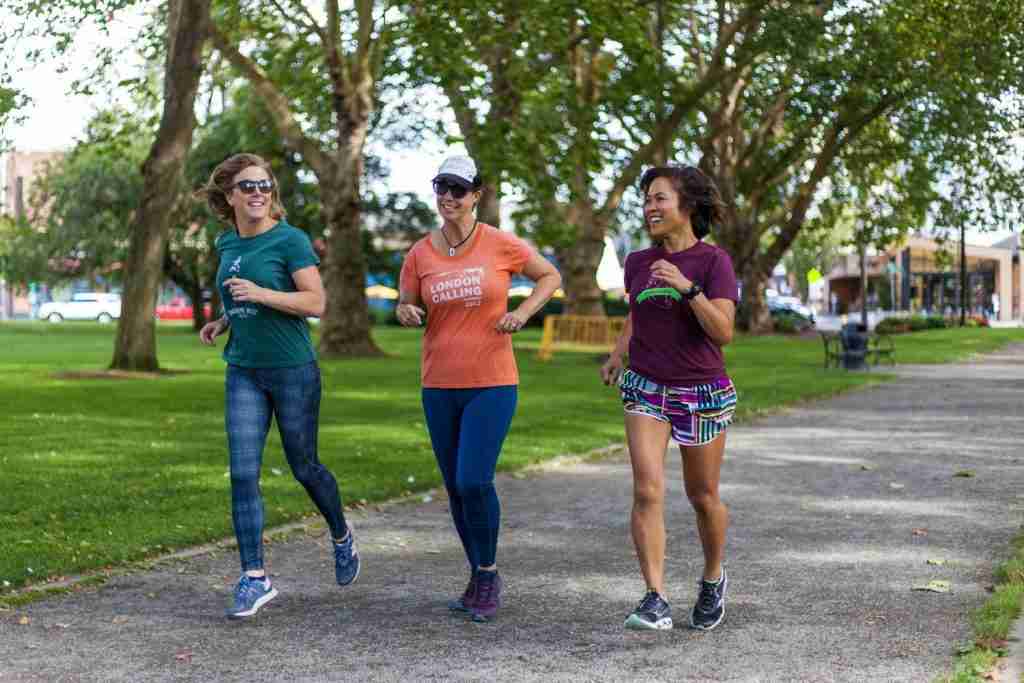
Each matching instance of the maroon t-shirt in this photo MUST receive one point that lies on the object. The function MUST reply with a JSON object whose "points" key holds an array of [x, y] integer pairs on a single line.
{"points": [[668, 344]]}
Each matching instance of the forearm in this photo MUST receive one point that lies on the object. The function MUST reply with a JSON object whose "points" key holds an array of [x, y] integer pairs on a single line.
{"points": [[301, 303], [716, 324], [544, 287], [622, 343]]}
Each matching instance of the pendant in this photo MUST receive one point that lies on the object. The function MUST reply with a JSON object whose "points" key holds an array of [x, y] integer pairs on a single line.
{"points": [[451, 251]]}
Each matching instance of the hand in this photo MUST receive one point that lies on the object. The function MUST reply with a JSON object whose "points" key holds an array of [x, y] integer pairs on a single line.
{"points": [[612, 370], [212, 330], [669, 274], [410, 315], [511, 322], [244, 290]]}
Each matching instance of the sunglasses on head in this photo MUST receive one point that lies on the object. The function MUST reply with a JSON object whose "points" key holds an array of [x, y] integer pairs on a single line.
{"points": [[250, 186], [441, 187]]}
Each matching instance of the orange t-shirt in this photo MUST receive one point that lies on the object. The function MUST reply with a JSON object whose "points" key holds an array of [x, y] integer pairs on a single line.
{"points": [[465, 297]]}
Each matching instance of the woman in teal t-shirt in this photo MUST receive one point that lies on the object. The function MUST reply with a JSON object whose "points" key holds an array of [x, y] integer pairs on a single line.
{"points": [[269, 282]]}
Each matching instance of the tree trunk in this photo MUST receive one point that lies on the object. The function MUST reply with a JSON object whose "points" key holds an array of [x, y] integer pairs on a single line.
{"points": [[196, 294], [579, 263], [752, 315], [187, 27], [345, 327], [489, 210]]}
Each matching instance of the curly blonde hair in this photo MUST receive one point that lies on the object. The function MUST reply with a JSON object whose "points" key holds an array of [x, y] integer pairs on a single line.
{"points": [[220, 185]]}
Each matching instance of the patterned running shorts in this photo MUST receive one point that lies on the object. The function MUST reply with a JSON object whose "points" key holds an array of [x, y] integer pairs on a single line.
{"points": [[697, 413]]}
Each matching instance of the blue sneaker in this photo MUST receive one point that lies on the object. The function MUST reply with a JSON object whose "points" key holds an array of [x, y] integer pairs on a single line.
{"points": [[710, 607], [346, 560], [250, 595], [652, 614]]}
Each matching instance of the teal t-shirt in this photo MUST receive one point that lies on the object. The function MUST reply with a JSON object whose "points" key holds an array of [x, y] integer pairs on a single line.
{"points": [[261, 336]]}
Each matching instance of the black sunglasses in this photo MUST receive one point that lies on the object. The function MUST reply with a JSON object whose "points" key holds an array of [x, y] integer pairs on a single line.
{"points": [[441, 187], [250, 186]]}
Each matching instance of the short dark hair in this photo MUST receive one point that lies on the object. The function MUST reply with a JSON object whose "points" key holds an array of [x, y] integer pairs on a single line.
{"points": [[698, 194]]}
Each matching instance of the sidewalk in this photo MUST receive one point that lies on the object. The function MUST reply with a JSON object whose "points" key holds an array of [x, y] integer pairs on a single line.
{"points": [[836, 509]]}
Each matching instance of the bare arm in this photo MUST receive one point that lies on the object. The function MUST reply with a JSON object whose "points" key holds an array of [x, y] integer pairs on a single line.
{"points": [[546, 280], [612, 368], [308, 300], [716, 316]]}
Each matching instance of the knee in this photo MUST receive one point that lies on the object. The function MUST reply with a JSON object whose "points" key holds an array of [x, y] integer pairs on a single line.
{"points": [[704, 500], [245, 483], [307, 473], [474, 490], [648, 494]]}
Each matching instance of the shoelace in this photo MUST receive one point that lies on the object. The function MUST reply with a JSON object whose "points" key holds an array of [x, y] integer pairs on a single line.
{"points": [[484, 588], [245, 586], [708, 599], [649, 602]]}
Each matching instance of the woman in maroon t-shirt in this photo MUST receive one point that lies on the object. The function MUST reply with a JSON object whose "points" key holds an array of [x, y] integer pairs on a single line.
{"points": [[682, 303]]}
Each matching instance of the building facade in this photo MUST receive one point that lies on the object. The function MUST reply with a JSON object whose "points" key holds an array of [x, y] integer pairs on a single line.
{"points": [[923, 276]]}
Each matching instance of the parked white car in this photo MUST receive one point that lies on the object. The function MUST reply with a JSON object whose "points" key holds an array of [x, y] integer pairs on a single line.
{"points": [[98, 306]]}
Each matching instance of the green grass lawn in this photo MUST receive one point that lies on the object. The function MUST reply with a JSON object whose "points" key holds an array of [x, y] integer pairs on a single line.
{"points": [[97, 472]]}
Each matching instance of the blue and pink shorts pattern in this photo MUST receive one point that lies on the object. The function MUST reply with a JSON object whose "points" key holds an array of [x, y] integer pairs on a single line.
{"points": [[697, 413]]}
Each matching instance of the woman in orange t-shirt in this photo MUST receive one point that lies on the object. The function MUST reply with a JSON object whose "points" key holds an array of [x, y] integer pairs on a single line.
{"points": [[458, 278]]}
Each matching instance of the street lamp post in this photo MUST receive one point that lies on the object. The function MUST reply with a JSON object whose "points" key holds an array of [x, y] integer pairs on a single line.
{"points": [[963, 274]]}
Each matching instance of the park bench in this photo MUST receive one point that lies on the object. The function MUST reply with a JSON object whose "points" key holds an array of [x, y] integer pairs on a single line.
{"points": [[847, 352], [579, 332]]}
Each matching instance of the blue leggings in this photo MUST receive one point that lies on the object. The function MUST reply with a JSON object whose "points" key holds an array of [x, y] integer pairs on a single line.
{"points": [[292, 395], [467, 428]]}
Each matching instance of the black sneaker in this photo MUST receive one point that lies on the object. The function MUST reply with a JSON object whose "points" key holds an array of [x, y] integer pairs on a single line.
{"points": [[652, 614], [710, 607]]}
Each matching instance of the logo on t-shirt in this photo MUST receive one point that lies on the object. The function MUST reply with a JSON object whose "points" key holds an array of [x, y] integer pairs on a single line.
{"points": [[658, 293], [465, 285], [236, 266]]}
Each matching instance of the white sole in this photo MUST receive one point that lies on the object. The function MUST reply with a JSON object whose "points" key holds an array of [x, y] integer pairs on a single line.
{"points": [[270, 595], [633, 623]]}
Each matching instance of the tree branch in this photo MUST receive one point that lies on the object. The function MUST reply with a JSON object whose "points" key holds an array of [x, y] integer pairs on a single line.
{"points": [[277, 104]]}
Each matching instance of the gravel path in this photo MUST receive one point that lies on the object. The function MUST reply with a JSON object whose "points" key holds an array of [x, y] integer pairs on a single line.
{"points": [[837, 507]]}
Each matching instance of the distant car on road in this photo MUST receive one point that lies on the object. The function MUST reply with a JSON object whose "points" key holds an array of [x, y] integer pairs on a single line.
{"points": [[98, 306], [178, 308]]}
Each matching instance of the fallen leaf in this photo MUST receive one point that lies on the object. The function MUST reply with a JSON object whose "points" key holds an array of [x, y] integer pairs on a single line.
{"points": [[938, 562], [919, 532], [24, 621], [867, 468], [120, 619], [894, 485], [184, 656], [276, 471], [934, 586], [62, 625], [967, 474]]}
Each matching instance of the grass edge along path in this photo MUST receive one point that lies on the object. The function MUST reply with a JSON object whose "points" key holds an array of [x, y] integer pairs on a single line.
{"points": [[992, 621], [561, 403]]}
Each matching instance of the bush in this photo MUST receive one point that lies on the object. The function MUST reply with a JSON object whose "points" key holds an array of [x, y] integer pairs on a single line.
{"points": [[935, 322], [786, 324], [893, 326]]}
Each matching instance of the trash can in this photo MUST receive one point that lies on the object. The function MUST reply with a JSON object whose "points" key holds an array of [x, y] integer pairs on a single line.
{"points": [[854, 339]]}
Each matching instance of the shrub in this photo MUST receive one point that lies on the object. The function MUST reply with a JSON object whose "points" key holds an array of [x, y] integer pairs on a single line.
{"points": [[786, 324], [893, 326], [935, 322]]}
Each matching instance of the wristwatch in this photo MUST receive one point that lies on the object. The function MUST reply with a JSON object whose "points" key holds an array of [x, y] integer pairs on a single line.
{"points": [[692, 292]]}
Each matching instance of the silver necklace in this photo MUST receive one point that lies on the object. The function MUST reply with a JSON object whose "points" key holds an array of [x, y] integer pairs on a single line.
{"points": [[453, 247]]}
